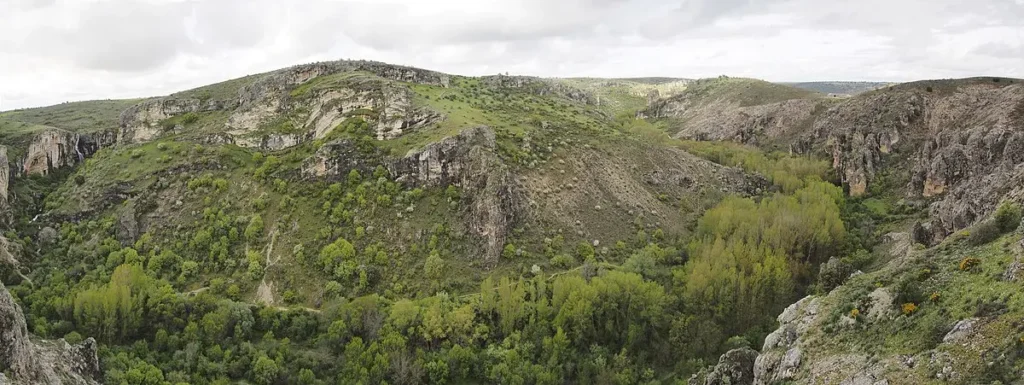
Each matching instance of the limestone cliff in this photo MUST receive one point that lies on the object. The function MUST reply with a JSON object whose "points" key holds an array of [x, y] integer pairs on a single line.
{"points": [[5, 178], [962, 149], [728, 120], [257, 110], [497, 199], [30, 361], [53, 149], [142, 122]]}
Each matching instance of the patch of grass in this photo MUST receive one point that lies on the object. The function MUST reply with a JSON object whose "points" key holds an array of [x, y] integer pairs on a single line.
{"points": [[82, 117]]}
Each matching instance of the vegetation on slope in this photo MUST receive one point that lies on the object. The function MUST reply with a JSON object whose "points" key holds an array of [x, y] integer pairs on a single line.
{"points": [[381, 281], [82, 117]]}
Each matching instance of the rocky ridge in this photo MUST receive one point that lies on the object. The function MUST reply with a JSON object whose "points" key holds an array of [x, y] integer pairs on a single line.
{"points": [[269, 96]]}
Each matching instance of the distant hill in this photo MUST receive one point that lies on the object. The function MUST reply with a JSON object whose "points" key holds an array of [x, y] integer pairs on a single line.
{"points": [[844, 88]]}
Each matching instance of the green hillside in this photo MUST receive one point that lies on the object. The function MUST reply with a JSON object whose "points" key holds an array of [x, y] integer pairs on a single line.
{"points": [[357, 222]]}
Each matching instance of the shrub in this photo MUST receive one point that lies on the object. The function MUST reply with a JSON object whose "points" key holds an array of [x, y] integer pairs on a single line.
{"points": [[909, 308], [189, 118], [585, 250], [969, 263], [509, 252], [1007, 216], [984, 232], [73, 337], [833, 273], [79, 179], [935, 297], [737, 342], [854, 313], [563, 261]]}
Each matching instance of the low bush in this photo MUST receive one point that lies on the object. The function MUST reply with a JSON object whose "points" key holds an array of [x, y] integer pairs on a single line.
{"points": [[984, 232], [1007, 216]]}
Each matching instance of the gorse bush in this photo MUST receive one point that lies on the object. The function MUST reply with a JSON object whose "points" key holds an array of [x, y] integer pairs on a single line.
{"points": [[968, 264]]}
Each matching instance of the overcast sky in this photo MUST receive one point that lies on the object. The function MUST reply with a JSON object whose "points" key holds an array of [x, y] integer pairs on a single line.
{"points": [[53, 51]]}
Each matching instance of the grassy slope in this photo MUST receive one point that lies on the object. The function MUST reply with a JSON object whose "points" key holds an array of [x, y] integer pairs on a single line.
{"points": [[946, 294], [83, 117], [746, 92]]}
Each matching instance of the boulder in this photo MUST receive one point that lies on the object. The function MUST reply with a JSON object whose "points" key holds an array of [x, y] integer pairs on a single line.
{"points": [[735, 367]]}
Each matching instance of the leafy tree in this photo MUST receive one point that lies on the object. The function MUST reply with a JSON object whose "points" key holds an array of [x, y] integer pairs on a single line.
{"points": [[264, 370], [434, 267], [255, 228]]}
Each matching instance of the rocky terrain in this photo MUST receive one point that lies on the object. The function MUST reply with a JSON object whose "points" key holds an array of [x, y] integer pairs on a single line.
{"points": [[960, 138]]}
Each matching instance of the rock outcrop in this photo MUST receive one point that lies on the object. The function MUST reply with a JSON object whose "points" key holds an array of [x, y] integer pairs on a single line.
{"points": [[388, 106], [735, 367], [143, 122], [963, 149], [41, 362], [5, 179], [497, 200], [260, 104], [728, 120], [53, 149]]}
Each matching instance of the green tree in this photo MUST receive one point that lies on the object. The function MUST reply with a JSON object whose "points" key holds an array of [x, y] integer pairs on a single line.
{"points": [[434, 266], [255, 228], [264, 370]]}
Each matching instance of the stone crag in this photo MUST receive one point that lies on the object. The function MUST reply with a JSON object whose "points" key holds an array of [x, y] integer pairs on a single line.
{"points": [[498, 201], [387, 102], [41, 362], [53, 149], [5, 178]]}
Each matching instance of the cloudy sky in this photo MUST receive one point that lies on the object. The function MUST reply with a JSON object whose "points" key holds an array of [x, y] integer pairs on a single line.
{"points": [[53, 51]]}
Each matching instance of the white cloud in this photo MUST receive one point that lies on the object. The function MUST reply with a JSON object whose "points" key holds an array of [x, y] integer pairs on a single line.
{"points": [[58, 50]]}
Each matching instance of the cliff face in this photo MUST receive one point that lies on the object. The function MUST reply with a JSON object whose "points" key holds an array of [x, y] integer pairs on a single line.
{"points": [[497, 201], [962, 150], [727, 120], [141, 122], [53, 149], [5, 178], [41, 362]]}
